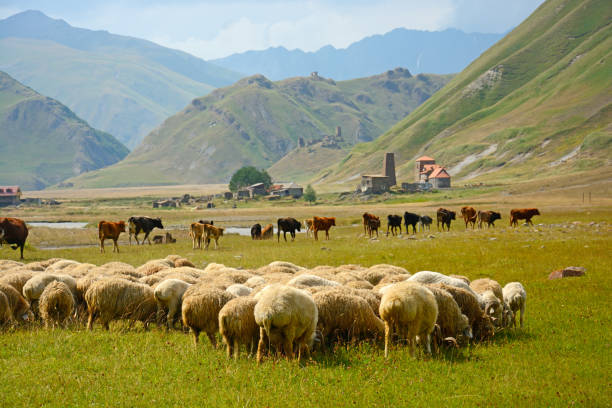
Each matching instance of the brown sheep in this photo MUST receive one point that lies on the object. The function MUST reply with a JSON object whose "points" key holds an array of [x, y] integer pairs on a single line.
{"points": [[451, 321], [201, 307], [20, 308], [56, 304], [237, 325]]}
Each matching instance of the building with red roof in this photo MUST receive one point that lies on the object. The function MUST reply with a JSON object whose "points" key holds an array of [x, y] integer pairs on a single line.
{"points": [[10, 195]]}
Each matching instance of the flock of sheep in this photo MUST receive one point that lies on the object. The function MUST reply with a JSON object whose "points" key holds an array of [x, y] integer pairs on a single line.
{"points": [[279, 307]]}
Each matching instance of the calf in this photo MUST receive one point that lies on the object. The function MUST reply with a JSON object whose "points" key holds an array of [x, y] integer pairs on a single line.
{"points": [[489, 217], [373, 225], [14, 232], [110, 230], [393, 222], [212, 232], [445, 217], [522, 214], [308, 226], [425, 221], [322, 224], [196, 232], [256, 231], [267, 232], [469, 216], [366, 219], [288, 225], [144, 224], [158, 239], [169, 239], [411, 219]]}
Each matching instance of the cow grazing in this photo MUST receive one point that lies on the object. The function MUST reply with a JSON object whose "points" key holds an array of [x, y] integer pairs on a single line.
{"points": [[308, 226], [322, 224], [170, 239], [267, 232], [158, 239], [445, 217], [425, 221], [489, 217], [256, 231], [394, 222], [469, 216], [288, 225], [110, 230], [411, 219], [212, 232], [522, 214], [373, 226], [144, 224], [14, 232]]}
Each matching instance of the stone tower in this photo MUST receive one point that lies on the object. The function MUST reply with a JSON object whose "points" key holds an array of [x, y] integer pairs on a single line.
{"points": [[389, 168]]}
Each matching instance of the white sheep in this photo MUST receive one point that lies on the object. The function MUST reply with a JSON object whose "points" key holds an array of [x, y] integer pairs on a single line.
{"points": [[169, 297], [201, 306], [238, 289], [237, 325], [516, 298], [429, 277], [411, 310], [311, 280], [288, 317], [34, 287], [452, 322]]}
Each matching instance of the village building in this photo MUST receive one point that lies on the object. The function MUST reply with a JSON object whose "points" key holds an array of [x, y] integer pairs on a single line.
{"points": [[256, 189], [379, 183], [427, 171], [10, 195]]}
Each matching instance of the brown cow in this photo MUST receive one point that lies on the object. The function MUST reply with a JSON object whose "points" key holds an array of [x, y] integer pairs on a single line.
{"points": [[366, 219], [522, 214], [210, 231], [373, 225], [322, 224], [469, 216], [14, 232], [308, 225], [110, 230], [196, 232], [267, 232], [489, 217]]}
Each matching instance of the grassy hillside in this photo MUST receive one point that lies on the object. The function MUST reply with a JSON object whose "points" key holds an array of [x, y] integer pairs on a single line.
{"points": [[537, 104], [43, 142], [122, 85], [257, 122]]}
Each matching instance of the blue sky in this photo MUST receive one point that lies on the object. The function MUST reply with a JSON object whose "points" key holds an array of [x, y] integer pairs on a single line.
{"points": [[216, 28]]}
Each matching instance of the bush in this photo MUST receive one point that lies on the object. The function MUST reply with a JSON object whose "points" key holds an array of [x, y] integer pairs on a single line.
{"points": [[309, 194], [247, 176]]}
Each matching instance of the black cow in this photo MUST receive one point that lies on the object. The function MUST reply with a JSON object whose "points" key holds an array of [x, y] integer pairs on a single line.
{"points": [[288, 225], [489, 217], [14, 232], [206, 222], [393, 222], [425, 221], [256, 231], [411, 219], [144, 224], [445, 216]]}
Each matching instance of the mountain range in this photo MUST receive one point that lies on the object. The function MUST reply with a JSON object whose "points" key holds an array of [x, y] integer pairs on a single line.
{"points": [[434, 52], [538, 104], [122, 85], [43, 142], [257, 122]]}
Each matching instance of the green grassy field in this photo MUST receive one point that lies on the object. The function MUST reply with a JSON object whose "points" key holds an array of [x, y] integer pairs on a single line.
{"points": [[562, 356]]}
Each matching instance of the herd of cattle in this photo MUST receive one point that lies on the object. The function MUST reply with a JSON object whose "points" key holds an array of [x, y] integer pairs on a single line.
{"points": [[280, 306], [15, 232]]}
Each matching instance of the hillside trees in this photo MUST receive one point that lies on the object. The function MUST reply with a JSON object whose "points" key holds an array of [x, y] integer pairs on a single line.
{"points": [[248, 175]]}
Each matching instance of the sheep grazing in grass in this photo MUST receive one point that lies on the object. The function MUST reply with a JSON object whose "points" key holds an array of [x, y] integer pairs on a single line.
{"points": [[451, 321], [312, 280], [429, 277], [56, 304], [255, 281], [169, 297], [359, 284], [516, 298], [116, 298], [237, 325], [154, 266], [492, 307], [288, 317], [346, 316], [482, 326], [17, 279], [201, 306], [238, 289], [6, 316], [20, 308], [461, 277], [411, 310], [482, 285], [33, 288]]}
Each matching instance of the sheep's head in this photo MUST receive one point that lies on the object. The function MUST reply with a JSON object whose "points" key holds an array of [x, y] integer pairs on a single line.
{"points": [[483, 327], [464, 330]]}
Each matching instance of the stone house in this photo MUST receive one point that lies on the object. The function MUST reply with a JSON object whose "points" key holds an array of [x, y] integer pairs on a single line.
{"points": [[10, 195]]}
